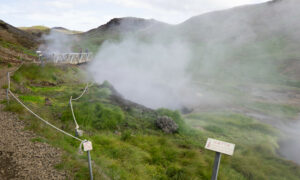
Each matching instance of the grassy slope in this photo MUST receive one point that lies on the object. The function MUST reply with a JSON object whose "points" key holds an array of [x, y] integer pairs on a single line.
{"points": [[41, 28], [16, 45], [17, 48], [127, 144]]}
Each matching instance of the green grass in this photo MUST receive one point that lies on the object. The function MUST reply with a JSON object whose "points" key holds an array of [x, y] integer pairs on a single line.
{"points": [[128, 145], [279, 110], [19, 48], [33, 99], [255, 154], [14, 107], [43, 28]]}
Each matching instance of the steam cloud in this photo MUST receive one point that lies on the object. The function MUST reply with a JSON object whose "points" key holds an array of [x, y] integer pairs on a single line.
{"points": [[149, 73], [250, 41], [56, 42], [247, 42]]}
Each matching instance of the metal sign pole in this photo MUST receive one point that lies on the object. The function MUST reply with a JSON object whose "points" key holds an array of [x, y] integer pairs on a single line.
{"points": [[220, 147], [90, 165], [216, 166], [87, 146]]}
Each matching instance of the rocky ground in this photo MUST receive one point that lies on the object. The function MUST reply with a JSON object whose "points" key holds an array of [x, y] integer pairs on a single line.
{"points": [[20, 157]]}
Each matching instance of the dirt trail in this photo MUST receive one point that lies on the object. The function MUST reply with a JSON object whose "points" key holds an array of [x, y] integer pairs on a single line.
{"points": [[20, 158]]}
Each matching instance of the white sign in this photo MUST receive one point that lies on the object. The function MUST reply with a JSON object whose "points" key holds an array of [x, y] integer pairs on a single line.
{"points": [[87, 146], [220, 146]]}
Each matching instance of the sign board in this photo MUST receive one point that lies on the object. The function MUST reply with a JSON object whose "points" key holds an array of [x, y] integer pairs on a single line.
{"points": [[220, 146], [87, 146]]}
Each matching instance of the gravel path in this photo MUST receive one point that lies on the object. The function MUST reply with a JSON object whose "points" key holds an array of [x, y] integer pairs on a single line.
{"points": [[20, 158]]}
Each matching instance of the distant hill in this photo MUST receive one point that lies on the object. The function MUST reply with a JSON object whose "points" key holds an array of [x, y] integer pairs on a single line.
{"points": [[116, 29], [65, 30], [263, 37], [38, 31], [259, 41], [124, 25], [266, 20]]}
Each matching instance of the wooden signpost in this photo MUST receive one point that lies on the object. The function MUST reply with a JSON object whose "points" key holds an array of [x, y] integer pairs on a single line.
{"points": [[219, 147]]}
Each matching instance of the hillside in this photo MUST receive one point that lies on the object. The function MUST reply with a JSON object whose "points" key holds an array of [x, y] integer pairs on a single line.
{"points": [[242, 60], [65, 30], [127, 142], [14, 35], [115, 30], [229, 75], [37, 31], [16, 45], [233, 44], [264, 37]]}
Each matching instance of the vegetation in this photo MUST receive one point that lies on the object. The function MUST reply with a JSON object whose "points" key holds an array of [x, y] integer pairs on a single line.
{"points": [[42, 28], [126, 142], [17, 48], [279, 110]]}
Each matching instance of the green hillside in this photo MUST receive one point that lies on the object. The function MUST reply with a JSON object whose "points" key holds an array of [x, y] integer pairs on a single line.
{"points": [[128, 145]]}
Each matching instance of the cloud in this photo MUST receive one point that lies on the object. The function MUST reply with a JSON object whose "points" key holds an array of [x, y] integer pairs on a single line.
{"points": [[87, 14], [195, 6]]}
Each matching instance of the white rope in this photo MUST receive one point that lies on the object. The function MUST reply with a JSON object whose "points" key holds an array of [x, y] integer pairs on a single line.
{"points": [[8, 75], [77, 127], [17, 68], [46, 122], [80, 146], [71, 105], [85, 89]]}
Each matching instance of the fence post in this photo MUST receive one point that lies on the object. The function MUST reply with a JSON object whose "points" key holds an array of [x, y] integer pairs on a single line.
{"points": [[8, 87], [87, 146], [90, 165]]}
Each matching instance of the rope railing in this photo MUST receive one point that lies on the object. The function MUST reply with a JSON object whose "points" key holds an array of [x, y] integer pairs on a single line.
{"points": [[74, 118], [40, 118], [87, 145], [77, 130], [85, 89], [8, 81]]}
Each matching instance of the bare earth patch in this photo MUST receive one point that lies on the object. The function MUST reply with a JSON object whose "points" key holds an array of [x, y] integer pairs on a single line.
{"points": [[20, 158]]}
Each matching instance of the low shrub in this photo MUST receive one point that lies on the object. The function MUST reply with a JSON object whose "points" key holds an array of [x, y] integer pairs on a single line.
{"points": [[108, 118]]}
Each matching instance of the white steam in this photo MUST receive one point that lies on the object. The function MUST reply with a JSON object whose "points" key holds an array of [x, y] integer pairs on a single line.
{"points": [[245, 45], [56, 42], [149, 73]]}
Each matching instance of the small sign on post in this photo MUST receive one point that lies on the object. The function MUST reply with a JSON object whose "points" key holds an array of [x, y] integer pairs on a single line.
{"points": [[219, 147]]}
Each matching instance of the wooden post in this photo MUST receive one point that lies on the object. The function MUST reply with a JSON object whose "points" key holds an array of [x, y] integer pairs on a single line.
{"points": [[8, 88]]}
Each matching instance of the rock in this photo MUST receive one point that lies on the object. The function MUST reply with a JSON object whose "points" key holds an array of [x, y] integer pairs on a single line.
{"points": [[167, 124], [117, 133], [186, 110]]}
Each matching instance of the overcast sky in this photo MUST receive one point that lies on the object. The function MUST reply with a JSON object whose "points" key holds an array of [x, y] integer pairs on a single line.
{"points": [[87, 14]]}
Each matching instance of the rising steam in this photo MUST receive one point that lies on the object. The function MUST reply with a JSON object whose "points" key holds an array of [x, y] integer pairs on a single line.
{"points": [[56, 42], [158, 67], [150, 73]]}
